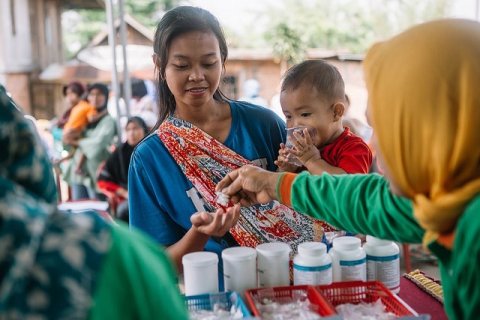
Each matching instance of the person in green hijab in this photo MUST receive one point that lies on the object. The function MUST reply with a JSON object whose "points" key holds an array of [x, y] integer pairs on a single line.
{"points": [[55, 265]]}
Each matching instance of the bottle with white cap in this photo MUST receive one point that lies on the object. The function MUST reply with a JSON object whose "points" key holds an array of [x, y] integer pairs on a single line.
{"points": [[312, 265], [200, 272], [273, 264], [383, 262], [239, 269], [348, 260]]}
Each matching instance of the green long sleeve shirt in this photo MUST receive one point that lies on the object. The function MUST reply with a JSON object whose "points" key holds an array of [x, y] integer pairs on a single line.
{"points": [[137, 281], [364, 203]]}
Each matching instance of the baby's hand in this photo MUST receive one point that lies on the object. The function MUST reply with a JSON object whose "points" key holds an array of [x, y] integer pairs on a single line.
{"points": [[282, 160], [304, 149]]}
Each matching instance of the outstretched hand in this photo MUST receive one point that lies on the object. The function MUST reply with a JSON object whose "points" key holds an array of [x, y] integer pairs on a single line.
{"points": [[249, 185], [216, 223]]}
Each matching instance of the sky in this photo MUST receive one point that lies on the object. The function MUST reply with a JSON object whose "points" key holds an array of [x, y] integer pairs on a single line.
{"points": [[237, 14]]}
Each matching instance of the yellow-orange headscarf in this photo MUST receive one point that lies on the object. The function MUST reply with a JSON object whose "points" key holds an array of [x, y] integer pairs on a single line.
{"points": [[424, 100]]}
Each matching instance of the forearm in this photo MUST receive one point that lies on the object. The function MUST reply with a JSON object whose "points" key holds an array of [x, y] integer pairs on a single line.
{"points": [[71, 137], [192, 241], [357, 203], [320, 166]]}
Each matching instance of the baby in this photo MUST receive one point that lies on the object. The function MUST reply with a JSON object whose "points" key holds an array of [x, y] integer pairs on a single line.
{"points": [[313, 97]]}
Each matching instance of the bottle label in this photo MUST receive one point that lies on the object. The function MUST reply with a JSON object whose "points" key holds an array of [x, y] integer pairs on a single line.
{"points": [[385, 269], [351, 270], [318, 275]]}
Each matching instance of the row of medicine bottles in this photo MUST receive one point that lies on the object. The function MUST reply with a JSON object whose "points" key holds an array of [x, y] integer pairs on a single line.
{"points": [[268, 265]]}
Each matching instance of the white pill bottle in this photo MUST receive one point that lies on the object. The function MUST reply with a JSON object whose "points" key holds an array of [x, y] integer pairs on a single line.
{"points": [[200, 272], [383, 262], [239, 269], [348, 260], [273, 264], [312, 265]]}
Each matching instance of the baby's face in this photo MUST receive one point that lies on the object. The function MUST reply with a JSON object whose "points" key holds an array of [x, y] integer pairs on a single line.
{"points": [[305, 107]]}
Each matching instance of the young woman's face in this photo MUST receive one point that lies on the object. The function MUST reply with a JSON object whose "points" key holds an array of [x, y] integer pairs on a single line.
{"points": [[194, 68], [135, 133], [380, 159], [96, 98]]}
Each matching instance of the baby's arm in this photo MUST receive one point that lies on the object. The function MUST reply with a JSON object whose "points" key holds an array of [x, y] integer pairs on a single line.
{"points": [[320, 166], [71, 136], [310, 157]]}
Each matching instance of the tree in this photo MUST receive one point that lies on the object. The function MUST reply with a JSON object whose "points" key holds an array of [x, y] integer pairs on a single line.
{"points": [[288, 46], [352, 26]]}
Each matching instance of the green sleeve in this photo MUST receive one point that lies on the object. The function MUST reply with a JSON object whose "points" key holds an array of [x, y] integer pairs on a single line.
{"points": [[460, 269], [137, 281], [357, 203], [96, 141]]}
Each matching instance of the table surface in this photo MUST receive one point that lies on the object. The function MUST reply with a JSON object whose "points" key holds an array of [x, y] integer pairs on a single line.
{"points": [[420, 301]]}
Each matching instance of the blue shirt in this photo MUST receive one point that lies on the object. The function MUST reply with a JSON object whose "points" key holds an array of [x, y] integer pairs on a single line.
{"points": [[162, 199]]}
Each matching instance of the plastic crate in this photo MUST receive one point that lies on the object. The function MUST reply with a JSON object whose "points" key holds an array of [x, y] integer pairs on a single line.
{"points": [[225, 299], [359, 291], [288, 294]]}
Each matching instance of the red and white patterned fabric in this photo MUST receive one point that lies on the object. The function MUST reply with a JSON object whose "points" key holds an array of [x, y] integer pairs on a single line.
{"points": [[205, 161]]}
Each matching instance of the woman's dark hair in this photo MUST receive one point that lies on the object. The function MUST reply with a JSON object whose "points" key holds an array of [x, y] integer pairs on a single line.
{"points": [[139, 121], [174, 23], [139, 89], [76, 87], [103, 89]]}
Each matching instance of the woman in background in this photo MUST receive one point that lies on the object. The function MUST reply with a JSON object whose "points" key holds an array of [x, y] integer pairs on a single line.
{"points": [[113, 177]]}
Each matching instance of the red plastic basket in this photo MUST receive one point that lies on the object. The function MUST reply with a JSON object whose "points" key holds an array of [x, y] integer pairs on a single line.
{"points": [[288, 294], [358, 291]]}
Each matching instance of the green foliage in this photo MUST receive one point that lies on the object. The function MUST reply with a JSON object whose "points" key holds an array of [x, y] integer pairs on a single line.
{"points": [[346, 25], [287, 26], [286, 43]]}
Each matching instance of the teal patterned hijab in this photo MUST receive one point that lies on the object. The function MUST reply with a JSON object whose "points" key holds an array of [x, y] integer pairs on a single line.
{"points": [[49, 261]]}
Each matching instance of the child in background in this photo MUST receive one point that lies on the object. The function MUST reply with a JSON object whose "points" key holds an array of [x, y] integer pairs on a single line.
{"points": [[82, 114], [313, 95]]}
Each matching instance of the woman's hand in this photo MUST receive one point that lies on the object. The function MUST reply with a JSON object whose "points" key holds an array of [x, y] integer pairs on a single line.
{"points": [[249, 185], [216, 223]]}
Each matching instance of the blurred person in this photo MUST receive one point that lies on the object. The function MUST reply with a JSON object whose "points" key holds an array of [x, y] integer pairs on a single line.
{"points": [[73, 93], [356, 126], [113, 177], [82, 114], [142, 103], [69, 266], [251, 93], [94, 144]]}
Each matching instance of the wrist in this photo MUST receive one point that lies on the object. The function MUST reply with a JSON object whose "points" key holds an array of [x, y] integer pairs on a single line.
{"points": [[283, 187], [312, 161]]}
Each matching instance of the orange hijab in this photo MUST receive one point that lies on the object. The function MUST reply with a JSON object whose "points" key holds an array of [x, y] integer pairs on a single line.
{"points": [[424, 104]]}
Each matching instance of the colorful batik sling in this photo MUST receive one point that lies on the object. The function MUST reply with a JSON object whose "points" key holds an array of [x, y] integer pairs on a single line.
{"points": [[205, 161]]}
